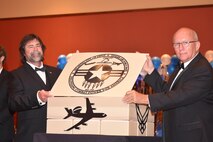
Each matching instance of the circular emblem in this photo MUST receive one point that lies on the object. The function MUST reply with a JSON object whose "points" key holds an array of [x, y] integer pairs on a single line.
{"points": [[98, 74]]}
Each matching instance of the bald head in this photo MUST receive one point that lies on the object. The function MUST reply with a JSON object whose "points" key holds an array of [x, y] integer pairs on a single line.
{"points": [[186, 44], [189, 31]]}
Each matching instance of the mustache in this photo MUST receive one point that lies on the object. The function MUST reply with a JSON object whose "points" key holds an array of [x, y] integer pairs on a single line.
{"points": [[36, 54]]}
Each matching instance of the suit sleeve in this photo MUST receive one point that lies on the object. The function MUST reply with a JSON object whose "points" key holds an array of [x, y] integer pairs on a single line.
{"points": [[156, 82], [4, 80], [193, 86]]}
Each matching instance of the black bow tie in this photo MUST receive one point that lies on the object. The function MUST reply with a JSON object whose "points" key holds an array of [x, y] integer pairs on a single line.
{"points": [[181, 65], [40, 69]]}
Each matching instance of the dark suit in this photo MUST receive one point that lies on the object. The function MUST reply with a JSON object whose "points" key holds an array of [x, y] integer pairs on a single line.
{"points": [[188, 106], [23, 99], [6, 117]]}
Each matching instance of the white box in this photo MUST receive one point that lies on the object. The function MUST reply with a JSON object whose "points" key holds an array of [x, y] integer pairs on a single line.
{"points": [[90, 91]]}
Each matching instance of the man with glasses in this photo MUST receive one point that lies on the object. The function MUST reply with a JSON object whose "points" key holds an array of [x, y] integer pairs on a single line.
{"points": [[187, 99]]}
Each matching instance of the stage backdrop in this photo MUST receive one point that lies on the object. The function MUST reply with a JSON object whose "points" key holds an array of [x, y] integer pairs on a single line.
{"points": [[146, 31]]}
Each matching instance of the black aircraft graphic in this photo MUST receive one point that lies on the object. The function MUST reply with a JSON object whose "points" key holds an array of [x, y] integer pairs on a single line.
{"points": [[89, 114]]}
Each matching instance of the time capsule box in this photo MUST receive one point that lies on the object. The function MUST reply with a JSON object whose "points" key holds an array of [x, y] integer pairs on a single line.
{"points": [[88, 96]]}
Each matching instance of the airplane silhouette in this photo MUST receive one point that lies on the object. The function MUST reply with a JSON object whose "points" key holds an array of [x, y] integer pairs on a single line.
{"points": [[89, 114]]}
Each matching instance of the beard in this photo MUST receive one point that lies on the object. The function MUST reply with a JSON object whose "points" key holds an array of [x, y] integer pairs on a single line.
{"points": [[36, 56]]}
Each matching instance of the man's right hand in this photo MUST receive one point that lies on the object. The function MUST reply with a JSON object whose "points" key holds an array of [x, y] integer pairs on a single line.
{"points": [[44, 95], [148, 66]]}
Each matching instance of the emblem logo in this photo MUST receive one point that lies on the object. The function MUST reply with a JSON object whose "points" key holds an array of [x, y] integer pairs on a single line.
{"points": [[98, 74]]}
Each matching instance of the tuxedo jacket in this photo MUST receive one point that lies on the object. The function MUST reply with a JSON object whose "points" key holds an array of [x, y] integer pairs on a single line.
{"points": [[23, 99], [6, 117], [188, 106]]}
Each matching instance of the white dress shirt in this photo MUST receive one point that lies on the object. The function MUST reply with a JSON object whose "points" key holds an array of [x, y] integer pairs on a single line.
{"points": [[42, 76], [185, 65], [1, 70]]}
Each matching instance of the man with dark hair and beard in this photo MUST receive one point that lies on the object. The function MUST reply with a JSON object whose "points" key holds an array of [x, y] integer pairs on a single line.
{"points": [[30, 89]]}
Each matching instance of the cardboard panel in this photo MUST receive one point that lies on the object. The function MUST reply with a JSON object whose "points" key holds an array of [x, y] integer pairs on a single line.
{"points": [[150, 129], [102, 127], [99, 74], [123, 128], [114, 108], [118, 127], [88, 95], [58, 126], [91, 127]]}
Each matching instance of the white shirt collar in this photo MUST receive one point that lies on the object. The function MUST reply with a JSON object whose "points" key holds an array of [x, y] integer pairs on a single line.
{"points": [[1, 70], [33, 66], [187, 63]]}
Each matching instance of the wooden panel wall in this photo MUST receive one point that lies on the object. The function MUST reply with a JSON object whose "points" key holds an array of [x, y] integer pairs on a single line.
{"points": [[29, 8], [128, 31]]}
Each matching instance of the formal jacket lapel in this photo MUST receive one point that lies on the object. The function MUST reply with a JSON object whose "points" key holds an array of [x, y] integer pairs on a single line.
{"points": [[48, 78], [177, 79], [2, 77], [186, 69], [51, 76], [34, 75], [172, 77]]}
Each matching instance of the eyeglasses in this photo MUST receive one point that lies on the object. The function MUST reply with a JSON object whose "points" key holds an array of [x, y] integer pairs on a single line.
{"points": [[184, 44]]}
